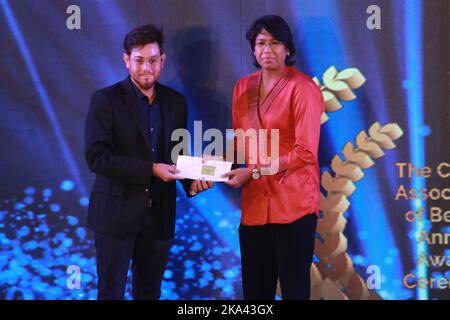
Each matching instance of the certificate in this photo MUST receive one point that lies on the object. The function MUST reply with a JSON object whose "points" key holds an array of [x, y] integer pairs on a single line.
{"points": [[196, 168]]}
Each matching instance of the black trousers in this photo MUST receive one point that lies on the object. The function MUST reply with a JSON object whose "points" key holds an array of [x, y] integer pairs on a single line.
{"points": [[273, 251], [148, 255]]}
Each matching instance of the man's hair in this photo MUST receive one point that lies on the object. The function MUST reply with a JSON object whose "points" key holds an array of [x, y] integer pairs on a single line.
{"points": [[279, 29], [142, 36]]}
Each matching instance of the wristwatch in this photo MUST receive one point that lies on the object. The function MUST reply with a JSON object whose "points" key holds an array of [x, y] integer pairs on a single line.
{"points": [[256, 173]]}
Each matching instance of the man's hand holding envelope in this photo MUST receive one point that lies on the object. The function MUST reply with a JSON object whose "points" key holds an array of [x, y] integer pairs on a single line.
{"points": [[204, 171]]}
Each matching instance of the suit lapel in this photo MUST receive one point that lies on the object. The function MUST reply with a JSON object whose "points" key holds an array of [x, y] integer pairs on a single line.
{"points": [[252, 100], [275, 91], [166, 117], [134, 107]]}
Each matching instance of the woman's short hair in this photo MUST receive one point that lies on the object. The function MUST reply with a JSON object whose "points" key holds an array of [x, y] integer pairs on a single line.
{"points": [[279, 29], [142, 36]]}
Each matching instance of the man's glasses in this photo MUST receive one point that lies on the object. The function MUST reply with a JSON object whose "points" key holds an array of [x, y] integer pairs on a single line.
{"points": [[152, 61]]}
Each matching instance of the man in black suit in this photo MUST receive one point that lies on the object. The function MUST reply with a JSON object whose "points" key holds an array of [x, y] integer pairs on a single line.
{"points": [[128, 146]]}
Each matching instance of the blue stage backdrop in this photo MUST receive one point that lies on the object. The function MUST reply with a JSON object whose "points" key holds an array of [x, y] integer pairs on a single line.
{"points": [[56, 53]]}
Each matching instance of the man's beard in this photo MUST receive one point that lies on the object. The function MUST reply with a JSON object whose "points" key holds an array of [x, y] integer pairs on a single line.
{"points": [[144, 85]]}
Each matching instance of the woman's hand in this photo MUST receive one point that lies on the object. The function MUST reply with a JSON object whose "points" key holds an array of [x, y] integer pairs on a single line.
{"points": [[238, 177]]}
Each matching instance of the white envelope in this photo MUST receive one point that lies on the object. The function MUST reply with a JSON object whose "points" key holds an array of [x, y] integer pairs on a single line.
{"points": [[194, 168]]}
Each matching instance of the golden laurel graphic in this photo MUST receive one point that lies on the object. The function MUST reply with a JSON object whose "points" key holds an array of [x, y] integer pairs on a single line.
{"points": [[334, 276]]}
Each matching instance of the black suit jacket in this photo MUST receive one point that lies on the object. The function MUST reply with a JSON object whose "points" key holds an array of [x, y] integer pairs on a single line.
{"points": [[117, 149]]}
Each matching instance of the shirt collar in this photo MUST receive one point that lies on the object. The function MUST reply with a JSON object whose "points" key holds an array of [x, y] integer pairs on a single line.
{"points": [[139, 93]]}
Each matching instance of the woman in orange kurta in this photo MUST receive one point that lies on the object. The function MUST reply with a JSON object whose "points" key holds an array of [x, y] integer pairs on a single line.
{"points": [[280, 196]]}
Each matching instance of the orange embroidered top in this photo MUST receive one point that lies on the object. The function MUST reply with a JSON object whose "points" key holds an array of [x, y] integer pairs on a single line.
{"points": [[294, 106]]}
